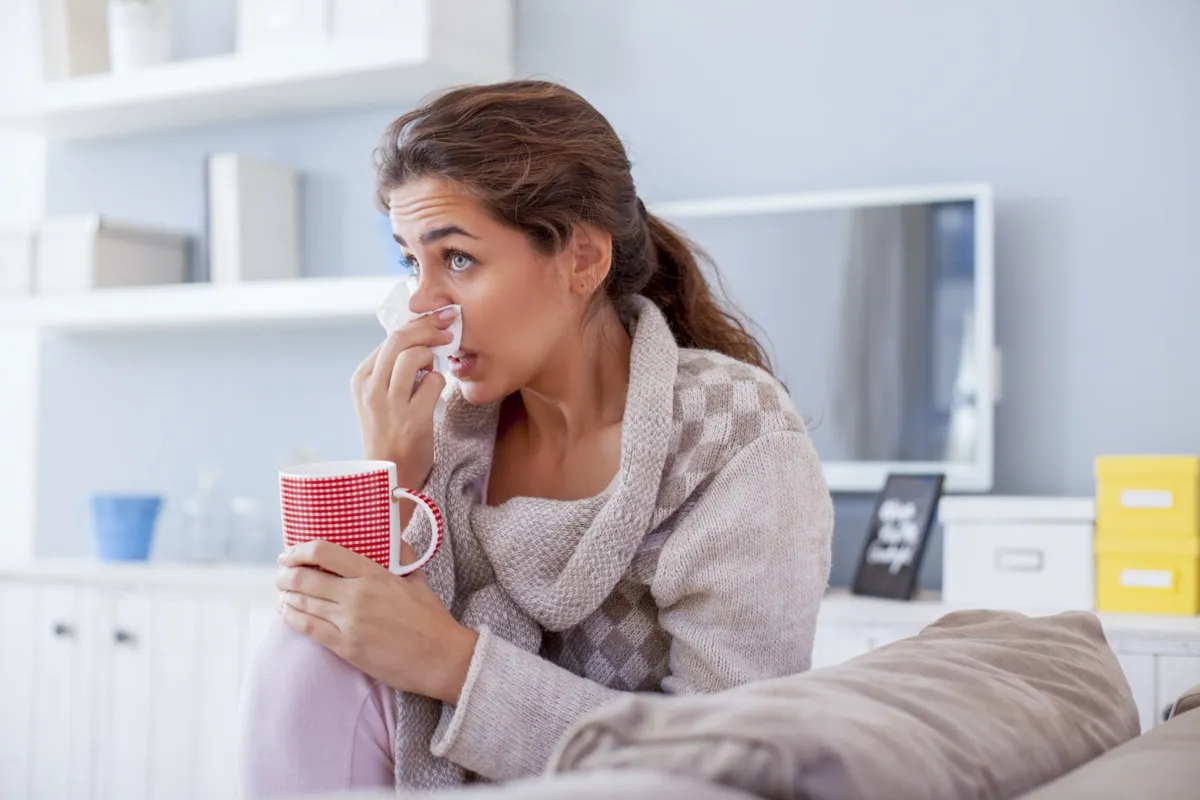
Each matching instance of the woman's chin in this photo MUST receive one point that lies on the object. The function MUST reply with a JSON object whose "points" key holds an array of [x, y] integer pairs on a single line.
{"points": [[479, 393]]}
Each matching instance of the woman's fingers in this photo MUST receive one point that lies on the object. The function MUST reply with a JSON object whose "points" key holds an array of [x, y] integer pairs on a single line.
{"points": [[423, 332], [321, 631], [313, 606], [329, 556], [408, 366], [424, 400], [364, 370], [309, 581]]}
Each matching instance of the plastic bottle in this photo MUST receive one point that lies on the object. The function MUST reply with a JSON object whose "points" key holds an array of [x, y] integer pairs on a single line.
{"points": [[249, 540], [206, 520]]}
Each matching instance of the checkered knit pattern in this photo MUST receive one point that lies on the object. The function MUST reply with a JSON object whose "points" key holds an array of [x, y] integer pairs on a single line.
{"points": [[577, 587]]}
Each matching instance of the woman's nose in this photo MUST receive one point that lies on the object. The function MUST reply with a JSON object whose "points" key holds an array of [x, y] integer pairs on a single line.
{"points": [[425, 296]]}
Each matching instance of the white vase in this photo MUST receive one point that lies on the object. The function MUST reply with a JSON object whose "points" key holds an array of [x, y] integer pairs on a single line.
{"points": [[139, 34]]}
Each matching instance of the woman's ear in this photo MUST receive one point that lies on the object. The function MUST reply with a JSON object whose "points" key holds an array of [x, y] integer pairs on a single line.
{"points": [[591, 259]]}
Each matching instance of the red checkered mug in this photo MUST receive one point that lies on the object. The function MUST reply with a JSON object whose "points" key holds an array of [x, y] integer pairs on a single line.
{"points": [[355, 504]]}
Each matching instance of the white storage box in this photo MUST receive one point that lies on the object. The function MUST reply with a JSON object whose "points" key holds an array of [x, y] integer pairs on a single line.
{"points": [[400, 23], [16, 260], [281, 27], [1018, 553], [81, 253], [253, 220], [74, 37]]}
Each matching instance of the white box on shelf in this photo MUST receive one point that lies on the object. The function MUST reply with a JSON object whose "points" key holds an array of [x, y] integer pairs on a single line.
{"points": [[253, 220], [355, 22], [1018, 552], [278, 26], [16, 260], [85, 252], [139, 34], [74, 38]]}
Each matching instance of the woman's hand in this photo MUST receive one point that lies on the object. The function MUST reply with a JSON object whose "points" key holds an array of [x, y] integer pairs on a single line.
{"points": [[395, 421], [393, 628]]}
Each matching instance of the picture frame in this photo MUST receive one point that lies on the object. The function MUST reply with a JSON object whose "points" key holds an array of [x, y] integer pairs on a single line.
{"points": [[897, 534]]}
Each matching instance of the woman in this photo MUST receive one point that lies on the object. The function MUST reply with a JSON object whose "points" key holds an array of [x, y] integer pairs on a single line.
{"points": [[632, 502]]}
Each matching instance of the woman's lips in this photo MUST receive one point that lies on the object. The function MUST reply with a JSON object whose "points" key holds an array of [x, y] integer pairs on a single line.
{"points": [[462, 364]]}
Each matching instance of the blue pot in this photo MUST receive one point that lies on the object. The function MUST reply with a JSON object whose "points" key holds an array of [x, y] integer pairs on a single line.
{"points": [[124, 526]]}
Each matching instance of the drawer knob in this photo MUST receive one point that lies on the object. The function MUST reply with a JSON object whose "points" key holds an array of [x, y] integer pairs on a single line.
{"points": [[62, 630], [123, 637]]}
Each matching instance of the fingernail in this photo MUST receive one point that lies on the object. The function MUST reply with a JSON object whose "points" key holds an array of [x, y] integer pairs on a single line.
{"points": [[282, 557], [447, 314]]}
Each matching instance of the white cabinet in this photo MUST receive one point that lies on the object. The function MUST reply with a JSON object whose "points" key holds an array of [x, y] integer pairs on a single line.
{"points": [[1159, 655], [125, 687], [223, 636], [124, 683], [18, 605], [60, 760], [1174, 675], [832, 645], [1139, 671]]}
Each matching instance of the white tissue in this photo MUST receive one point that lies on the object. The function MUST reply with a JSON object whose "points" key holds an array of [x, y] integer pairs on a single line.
{"points": [[393, 312], [442, 352]]}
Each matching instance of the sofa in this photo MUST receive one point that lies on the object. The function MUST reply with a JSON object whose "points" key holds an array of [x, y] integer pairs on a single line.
{"points": [[980, 704]]}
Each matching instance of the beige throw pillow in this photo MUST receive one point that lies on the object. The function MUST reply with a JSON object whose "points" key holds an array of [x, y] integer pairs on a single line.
{"points": [[981, 704]]}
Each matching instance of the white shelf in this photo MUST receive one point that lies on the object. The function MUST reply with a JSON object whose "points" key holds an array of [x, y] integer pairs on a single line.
{"points": [[462, 41], [201, 304]]}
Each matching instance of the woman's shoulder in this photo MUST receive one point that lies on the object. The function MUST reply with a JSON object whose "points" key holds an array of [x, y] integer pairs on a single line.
{"points": [[721, 407], [714, 388]]}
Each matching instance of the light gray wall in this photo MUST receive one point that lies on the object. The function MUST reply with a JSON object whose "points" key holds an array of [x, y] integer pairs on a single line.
{"points": [[1082, 113]]}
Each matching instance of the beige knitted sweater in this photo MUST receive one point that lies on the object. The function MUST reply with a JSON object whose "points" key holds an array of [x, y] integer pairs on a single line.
{"points": [[702, 567]]}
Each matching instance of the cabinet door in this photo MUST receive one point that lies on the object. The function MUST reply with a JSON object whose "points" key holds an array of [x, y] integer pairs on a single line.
{"points": [[221, 634], [18, 609], [60, 759], [1175, 674], [1139, 671], [176, 656], [124, 682]]}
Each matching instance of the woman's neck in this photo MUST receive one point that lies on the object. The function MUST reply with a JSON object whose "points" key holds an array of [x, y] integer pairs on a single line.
{"points": [[583, 386]]}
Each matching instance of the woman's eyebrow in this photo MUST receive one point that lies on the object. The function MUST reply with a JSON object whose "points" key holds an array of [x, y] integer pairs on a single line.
{"points": [[434, 234]]}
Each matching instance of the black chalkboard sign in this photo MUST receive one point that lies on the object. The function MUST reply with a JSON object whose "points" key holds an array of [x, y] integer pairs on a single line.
{"points": [[899, 528]]}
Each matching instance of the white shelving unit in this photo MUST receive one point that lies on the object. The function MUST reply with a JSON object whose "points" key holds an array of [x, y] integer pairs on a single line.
{"points": [[455, 42], [308, 300], [443, 43]]}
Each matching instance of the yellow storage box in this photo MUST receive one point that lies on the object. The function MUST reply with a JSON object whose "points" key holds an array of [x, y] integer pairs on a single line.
{"points": [[1143, 575], [1147, 496]]}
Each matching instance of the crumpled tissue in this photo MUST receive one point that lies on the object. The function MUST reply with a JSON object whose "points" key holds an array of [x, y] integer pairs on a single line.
{"points": [[393, 312]]}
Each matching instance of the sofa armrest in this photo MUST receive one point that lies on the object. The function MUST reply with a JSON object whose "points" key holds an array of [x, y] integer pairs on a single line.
{"points": [[1187, 701]]}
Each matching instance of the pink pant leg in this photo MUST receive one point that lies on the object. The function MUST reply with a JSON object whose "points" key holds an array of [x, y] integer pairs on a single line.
{"points": [[312, 723]]}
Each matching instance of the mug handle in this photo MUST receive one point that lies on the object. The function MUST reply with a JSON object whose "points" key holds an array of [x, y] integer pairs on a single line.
{"points": [[436, 523]]}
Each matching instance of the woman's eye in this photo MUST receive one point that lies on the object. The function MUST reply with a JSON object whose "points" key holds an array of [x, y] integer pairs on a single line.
{"points": [[460, 262], [409, 263]]}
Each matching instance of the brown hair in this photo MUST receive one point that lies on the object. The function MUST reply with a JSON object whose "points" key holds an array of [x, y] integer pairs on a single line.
{"points": [[542, 159]]}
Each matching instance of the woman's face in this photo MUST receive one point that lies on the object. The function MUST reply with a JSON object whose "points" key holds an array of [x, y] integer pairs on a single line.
{"points": [[517, 304]]}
